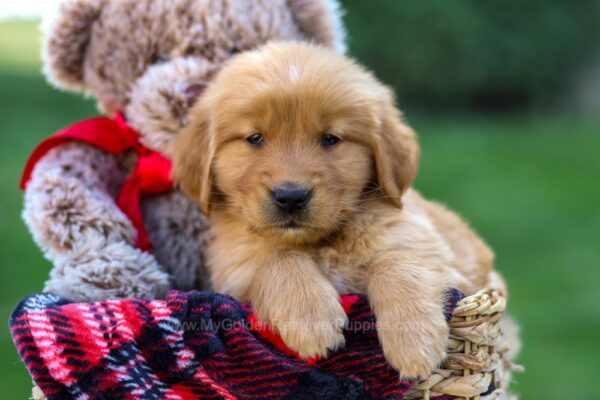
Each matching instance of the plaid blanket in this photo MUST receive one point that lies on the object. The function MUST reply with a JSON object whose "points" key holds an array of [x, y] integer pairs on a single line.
{"points": [[196, 345]]}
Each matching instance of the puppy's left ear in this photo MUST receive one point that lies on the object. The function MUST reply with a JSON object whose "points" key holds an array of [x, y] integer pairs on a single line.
{"points": [[193, 153], [396, 154]]}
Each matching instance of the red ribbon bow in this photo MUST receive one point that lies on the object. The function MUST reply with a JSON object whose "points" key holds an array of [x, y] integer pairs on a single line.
{"points": [[151, 176]]}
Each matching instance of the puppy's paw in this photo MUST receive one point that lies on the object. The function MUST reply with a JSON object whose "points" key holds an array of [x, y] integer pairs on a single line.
{"points": [[314, 335], [414, 347], [312, 329]]}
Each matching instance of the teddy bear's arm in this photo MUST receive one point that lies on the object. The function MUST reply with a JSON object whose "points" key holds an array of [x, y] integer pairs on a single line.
{"points": [[71, 196], [71, 212]]}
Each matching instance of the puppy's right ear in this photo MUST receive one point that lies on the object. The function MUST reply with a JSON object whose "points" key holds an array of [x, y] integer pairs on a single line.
{"points": [[193, 152], [67, 36]]}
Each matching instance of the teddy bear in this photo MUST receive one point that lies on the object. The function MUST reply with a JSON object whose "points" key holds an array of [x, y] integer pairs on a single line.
{"points": [[148, 60]]}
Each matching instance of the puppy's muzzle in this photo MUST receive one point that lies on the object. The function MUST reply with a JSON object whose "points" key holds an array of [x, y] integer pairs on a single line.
{"points": [[291, 198]]}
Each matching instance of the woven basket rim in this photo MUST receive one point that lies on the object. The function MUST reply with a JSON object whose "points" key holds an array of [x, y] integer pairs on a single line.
{"points": [[477, 353]]}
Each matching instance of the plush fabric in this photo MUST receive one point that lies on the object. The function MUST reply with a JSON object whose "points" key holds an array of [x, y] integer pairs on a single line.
{"points": [[151, 176], [193, 345]]}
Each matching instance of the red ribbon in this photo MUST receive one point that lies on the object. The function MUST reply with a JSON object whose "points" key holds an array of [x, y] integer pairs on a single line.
{"points": [[151, 175]]}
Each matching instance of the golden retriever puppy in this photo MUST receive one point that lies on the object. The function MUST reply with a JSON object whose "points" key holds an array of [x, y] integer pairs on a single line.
{"points": [[304, 164]]}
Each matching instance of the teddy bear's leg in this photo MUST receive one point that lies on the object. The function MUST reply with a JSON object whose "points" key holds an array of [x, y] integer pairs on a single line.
{"points": [[71, 212], [97, 270]]}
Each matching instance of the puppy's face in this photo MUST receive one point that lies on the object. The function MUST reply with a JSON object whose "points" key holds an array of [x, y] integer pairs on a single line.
{"points": [[294, 168], [289, 138]]}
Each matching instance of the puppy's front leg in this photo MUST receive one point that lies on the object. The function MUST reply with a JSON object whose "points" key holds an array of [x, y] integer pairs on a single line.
{"points": [[407, 296], [291, 294]]}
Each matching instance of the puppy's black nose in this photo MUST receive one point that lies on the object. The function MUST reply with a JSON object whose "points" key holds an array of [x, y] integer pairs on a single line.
{"points": [[291, 197]]}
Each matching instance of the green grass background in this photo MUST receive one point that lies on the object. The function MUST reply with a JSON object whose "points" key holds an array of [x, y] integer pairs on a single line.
{"points": [[529, 183]]}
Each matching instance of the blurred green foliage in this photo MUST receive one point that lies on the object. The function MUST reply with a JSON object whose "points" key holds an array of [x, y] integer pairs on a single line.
{"points": [[475, 53]]}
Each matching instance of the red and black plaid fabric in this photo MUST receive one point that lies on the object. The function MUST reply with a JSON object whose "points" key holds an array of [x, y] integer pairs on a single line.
{"points": [[196, 345]]}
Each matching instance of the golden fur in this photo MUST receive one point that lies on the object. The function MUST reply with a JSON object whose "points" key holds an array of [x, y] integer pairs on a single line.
{"points": [[365, 230]]}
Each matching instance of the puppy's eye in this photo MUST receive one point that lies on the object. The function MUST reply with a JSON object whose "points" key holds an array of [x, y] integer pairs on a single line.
{"points": [[233, 51], [329, 140], [256, 139]]}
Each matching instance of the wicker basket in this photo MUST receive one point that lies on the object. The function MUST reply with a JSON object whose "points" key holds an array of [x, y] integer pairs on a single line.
{"points": [[478, 354]]}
